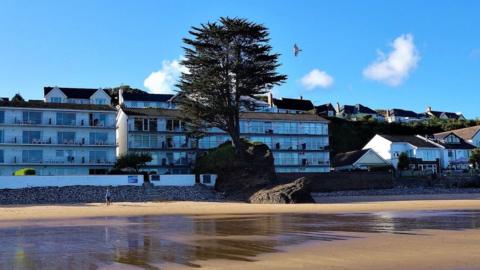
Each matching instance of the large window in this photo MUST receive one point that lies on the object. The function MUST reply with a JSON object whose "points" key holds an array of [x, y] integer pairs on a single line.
{"points": [[32, 117], [175, 125], [98, 156], [178, 141], [31, 137], [145, 124], [100, 101], [2, 117], [64, 156], [2, 160], [145, 141], [66, 118], [56, 100], [66, 137], [2, 139], [177, 158], [32, 156], [98, 119], [97, 138]]}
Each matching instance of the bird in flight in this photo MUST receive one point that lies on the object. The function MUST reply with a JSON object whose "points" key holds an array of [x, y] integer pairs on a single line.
{"points": [[296, 50]]}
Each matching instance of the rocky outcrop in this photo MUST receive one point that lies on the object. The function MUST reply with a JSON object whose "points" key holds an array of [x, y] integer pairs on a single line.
{"points": [[297, 191], [239, 175]]}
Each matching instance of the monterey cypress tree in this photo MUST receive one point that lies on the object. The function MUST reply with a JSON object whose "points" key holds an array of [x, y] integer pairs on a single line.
{"points": [[227, 61]]}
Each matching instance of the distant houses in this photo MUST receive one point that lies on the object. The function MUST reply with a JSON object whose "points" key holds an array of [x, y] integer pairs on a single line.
{"points": [[358, 112]]}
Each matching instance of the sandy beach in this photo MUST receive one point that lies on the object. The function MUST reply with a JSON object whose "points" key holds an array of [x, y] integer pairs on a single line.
{"points": [[331, 205]]}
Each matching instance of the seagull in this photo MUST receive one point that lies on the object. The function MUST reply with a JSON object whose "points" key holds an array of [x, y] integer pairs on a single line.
{"points": [[296, 50]]}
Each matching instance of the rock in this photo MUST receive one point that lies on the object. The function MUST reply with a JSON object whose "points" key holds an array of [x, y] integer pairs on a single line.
{"points": [[297, 191], [239, 176]]}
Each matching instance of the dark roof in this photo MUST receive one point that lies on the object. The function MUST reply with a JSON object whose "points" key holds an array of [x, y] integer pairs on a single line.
{"points": [[449, 115], [464, 133], [358, 108], [293, 104], [461, 145], [50, 105], [403, 113], [411, 139], [325, 108], [81, 93], [348, 158], [147, 97], [245, 115]]}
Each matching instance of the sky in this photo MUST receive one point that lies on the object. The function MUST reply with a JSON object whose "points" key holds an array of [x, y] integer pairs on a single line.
{"points": [[382, 54]]}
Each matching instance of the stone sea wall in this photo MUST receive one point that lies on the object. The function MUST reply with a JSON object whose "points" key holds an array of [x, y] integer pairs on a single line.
{"points": [[90, 194]]}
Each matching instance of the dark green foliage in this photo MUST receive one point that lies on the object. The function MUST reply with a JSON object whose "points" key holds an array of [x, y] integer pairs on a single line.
{"points": [[227, 60], [113, 92], [475, 158], [403, 161], [133, 160], [18, 98], [350, 135]]}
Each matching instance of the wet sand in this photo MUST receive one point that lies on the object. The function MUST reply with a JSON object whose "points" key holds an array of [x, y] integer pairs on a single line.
{"points": [[330, 205], [437, 250]]}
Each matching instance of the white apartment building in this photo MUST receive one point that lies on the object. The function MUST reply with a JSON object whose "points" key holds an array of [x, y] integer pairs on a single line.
{"points": [[299, 142], [57, 138]]}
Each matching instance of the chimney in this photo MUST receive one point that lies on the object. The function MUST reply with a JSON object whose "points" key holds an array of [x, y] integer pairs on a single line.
{"points": [[301, 97], [429, 109], [120, 96], [338, 107], [270, 99]]}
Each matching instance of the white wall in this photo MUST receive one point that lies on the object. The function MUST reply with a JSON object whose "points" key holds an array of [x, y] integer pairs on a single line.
{"points": [[175, 180], [15, 182]]}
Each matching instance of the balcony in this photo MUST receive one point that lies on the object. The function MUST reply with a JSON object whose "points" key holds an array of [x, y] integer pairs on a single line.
{"points": [[48, 141], [76, 124], [69, 161]]}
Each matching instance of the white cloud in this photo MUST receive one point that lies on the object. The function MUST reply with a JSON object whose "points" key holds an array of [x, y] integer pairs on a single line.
{"points": [[316, 79], [394, 68], [164, 80]]}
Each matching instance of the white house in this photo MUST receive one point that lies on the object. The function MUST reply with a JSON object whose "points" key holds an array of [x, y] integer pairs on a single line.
{"points": [[364, 159], [76, 95], [56, 138], [424, 154], [145, 100], [444, 115], [402, 116], [456, 151], [470, 135]]}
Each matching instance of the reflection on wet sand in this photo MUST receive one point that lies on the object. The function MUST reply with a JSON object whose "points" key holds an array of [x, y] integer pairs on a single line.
{"points": [[150, 241]]}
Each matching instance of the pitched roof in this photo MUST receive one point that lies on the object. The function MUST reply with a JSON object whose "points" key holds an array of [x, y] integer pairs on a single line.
{"points": [[449, 115], [411, 139], [293, 104], [81, 93], [403, 113], [464, 133], [147, 97], [245, 115], [50, 105], [461, 145], [325, 108], [348, 158], [355, 109]]}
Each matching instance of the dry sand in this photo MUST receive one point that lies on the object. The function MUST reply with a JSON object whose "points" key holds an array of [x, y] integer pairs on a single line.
{"points": [[346, 204]]}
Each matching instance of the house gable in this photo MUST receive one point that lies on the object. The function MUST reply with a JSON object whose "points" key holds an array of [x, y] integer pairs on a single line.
{"points": [[100, 97], [55, 96], [370, 158]]}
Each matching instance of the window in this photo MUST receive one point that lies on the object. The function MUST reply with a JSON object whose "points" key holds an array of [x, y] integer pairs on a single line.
{"points": [[98, 138], [2, 140], [98, 119], [66, 118], [98, 156], [56, 100], [31, 137], [66, 137], [2, 117], [32, 156], [145, 124], [175, 125], [32, 117], [64, 156], [2, 160], [100, 101]]}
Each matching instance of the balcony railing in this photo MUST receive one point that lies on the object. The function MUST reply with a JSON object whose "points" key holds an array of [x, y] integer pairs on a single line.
{"points": [[49, 141], [76, 124], [66, 161]]}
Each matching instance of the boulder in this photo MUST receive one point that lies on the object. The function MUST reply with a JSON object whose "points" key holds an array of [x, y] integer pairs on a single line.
{"points": [[297, 191]]}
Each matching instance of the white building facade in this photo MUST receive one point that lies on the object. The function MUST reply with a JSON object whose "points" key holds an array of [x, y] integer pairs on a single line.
{"points": [[56, 139], [299, 142]]}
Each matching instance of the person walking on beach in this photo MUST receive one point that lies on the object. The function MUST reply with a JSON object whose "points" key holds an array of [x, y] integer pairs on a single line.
{"points": [[108, 197]]}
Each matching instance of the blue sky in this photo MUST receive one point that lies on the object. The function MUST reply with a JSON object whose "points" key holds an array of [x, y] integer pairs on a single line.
{"points": [[431, 50]]}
